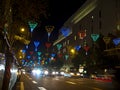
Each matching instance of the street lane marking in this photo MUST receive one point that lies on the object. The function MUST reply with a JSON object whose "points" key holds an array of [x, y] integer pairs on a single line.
{"points": [[34, 82], [30, 78], [96, 88], [42, 88], [21, 86], [70, 82]]}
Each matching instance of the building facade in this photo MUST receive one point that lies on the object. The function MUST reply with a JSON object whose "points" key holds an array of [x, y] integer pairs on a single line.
{"points": [[93, 17]]}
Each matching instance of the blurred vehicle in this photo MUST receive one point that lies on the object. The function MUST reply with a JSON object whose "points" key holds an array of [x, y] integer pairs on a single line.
{"points": [[75, 74]]}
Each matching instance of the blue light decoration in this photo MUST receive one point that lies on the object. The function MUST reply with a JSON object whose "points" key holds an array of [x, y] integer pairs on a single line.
{"points": [[59, 46], [94, 37], [23, 61], [32, 25], [28, 57], [116, 41], [39, 59], [36, 43], [77, 47], [23, 51], [53, 55], [66, 56], [26, 46], [65, 31]]}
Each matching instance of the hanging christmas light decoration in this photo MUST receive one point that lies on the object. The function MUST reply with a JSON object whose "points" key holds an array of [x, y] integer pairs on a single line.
{"points": [[26, 46], [36, 43], [65, 31], [47, 44], [82, 34], [77, 47], [116, 41], [23, 51], [31, 52], [28, 57], [39, 59], [86, 48], [32, 25], [106, 40], [66, 56], [39, 53], [59, 46], [23, 62], [59, 55], [53, 54], [94, 37], [49, 29]]}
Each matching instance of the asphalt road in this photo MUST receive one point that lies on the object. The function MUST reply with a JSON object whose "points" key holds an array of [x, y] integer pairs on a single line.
{"points": [[30, 82]]}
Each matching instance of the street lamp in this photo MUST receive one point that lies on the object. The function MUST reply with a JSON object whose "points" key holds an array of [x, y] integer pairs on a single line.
{"points": [[72, 51], [22, 29]]}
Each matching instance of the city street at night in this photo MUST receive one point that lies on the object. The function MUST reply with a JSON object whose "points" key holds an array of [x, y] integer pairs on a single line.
{"points": [[59, 44], [30, 82]]}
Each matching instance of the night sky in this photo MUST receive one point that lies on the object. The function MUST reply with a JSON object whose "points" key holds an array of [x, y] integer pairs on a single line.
{"points": [[59, 12]]}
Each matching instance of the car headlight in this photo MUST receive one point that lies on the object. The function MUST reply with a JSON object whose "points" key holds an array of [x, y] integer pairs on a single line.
{"points": [[46, 72], [72, 74]]}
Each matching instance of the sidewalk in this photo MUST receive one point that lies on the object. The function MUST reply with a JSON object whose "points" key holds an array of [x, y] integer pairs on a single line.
{"points": [[17, 85]]}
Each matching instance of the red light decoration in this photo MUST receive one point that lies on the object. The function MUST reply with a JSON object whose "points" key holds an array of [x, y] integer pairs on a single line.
{"points": [[47, 44], [86, 48], [82, 34], [31, 52], [59, 55]]}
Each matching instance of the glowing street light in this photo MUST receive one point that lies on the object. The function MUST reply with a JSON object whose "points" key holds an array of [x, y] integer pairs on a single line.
{"points": [[22, 29], [72, 51]]}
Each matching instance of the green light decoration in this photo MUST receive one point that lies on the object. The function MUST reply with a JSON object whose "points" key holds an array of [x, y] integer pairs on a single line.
{"points": [[66, 57], [106, 40], [39, 58], [39, 53], [59, 46], [46, 62], [32, 25], [95, 37]]}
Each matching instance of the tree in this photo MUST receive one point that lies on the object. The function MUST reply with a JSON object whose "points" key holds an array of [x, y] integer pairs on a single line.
{"points": [[17, 13]]}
